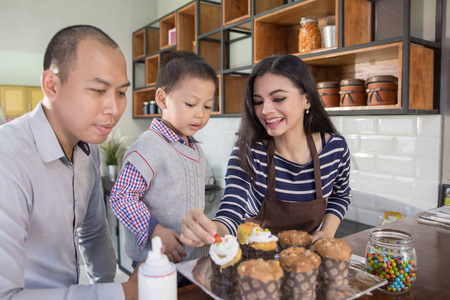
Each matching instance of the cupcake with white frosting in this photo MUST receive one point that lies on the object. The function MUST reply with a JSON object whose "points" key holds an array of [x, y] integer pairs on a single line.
{"points": [[261, 244], [225, 257]]}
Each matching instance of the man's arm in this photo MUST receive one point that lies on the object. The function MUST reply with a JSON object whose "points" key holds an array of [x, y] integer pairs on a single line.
{"points": [[16, 205]]}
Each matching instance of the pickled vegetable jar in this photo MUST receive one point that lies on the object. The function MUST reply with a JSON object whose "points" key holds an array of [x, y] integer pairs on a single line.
{"points": [[309, 35], [390, 254]]}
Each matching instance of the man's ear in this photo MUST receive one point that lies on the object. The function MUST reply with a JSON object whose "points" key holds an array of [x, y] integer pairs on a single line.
{"points": [[160, 98], [50, 84]]}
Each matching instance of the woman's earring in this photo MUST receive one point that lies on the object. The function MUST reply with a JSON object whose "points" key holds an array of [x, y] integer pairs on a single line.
{"points": [[307, 111]]}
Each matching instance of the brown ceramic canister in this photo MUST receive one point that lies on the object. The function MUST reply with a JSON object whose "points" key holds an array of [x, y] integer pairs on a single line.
{"points": [[329, 93], [352, 92], [382, 90]]}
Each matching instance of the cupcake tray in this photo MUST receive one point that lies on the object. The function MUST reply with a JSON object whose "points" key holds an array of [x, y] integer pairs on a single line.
{"points": [[199, 272]]}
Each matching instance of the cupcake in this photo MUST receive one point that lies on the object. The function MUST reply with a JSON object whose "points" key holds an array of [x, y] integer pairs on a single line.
{"points": [[335, 254], [301, 268], [261, 244], [225, 256], [244, 230], [260, 279], [294, 238]]}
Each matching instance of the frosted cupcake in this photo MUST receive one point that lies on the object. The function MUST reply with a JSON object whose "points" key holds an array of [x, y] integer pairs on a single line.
{"points": [[260, 279], [225, 257], [261, 244], [294, 238], [301, 268]]}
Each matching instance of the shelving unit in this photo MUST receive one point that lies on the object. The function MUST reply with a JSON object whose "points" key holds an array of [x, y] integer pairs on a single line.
{"points": [[224, 32]]}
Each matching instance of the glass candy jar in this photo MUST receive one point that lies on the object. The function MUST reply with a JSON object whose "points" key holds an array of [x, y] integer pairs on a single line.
{"points": [[390, 254], [309, 35]]}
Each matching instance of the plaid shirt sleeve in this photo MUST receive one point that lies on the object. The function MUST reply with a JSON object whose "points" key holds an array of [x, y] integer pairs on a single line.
{"points": [[125, 200]]}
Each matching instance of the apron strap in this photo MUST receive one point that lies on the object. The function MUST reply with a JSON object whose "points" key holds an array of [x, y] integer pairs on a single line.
{"points": [[271, 168], [271, 175], [316, 165]]}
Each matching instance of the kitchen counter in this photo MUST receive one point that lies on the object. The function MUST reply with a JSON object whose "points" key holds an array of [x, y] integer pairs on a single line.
{"points": [[432, 244]]}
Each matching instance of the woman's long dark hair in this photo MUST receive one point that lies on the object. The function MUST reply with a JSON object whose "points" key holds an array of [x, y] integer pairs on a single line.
{"points": [[251, 130]]}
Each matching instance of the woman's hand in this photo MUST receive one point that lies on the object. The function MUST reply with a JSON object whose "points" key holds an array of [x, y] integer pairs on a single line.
{"points": [[319, 235], [197, 229]]}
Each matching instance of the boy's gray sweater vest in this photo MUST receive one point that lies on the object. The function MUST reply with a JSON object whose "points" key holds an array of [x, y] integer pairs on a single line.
{"points": [[176, 174]]}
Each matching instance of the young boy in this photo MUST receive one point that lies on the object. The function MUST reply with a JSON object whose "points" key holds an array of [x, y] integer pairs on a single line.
{"points": [[163, 171]]}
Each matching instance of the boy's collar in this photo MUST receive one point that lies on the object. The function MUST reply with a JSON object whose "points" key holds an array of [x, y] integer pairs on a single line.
{"points": [[169, 134]]}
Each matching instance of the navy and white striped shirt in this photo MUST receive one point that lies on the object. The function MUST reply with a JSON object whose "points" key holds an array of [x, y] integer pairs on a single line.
{"points": [[294, 182]]}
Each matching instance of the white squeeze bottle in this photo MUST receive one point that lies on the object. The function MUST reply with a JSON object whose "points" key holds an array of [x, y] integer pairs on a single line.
{"points": [[157, 276]]}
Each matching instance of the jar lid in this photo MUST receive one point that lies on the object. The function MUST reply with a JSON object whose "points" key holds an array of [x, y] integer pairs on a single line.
{"points": [[352, 82], [304, 21], [146, 103], [382, 78], [327, 84], [152, 101]]}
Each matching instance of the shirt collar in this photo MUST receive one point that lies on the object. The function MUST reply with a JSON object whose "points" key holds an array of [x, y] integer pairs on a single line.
{"points": [[47, 143], [168, 133]]}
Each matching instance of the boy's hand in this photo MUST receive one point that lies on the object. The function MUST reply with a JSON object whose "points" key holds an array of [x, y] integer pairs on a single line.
{"points": [[197, 229], [171, 242]]}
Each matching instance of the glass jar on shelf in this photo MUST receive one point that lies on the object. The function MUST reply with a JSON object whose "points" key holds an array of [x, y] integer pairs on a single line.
{"points": [[390, 254], [309, 35]]}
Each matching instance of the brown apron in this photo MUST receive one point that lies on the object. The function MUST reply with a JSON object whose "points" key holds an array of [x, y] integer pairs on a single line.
{"points": [[277, 215]]}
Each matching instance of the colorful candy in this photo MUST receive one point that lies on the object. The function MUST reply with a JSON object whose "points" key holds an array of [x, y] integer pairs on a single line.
{"points": [[217, 238], [399, 271]]}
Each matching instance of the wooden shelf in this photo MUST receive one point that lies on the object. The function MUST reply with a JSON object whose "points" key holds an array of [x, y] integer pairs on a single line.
{"points": [[265, 5], [235, 10], [210, 49], [151, 69], [381, 60], [277, 32], [217, 106], [186, 29], [152, 40], [139, 97], [235, 86], [139, 44], [166, 24], [222, 32]]}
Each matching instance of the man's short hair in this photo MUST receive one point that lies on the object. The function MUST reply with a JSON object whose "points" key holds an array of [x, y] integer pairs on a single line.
{"points": [[61, 51]]}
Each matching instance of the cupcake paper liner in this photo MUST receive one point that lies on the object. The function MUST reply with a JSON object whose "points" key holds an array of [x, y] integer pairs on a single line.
{"points": [[300, 285], [300, 282], [253, 289], [333, 269]]}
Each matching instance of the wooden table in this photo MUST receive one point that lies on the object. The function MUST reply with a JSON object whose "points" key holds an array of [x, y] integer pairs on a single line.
{"points": [[433, 261]]}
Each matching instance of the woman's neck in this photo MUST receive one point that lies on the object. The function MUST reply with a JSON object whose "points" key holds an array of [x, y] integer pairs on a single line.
{"points": [[293, 147]]}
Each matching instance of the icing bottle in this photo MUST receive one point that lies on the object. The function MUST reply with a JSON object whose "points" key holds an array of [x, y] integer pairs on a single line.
{"points": [[157, 276]]}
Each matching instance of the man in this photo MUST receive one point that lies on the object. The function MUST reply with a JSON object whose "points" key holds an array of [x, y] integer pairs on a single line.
{"points": [[51, 207]]}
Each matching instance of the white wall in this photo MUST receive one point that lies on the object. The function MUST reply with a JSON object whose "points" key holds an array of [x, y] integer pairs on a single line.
{"points": [[26, 27]]}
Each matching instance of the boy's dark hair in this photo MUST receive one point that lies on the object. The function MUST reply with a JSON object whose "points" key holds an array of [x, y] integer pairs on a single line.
{"points": [[61, 51], [181, 64], [251, 130]]}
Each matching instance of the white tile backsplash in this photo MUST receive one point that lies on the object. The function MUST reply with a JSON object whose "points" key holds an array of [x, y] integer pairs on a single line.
{"points": [[395, 161], [377, 144], [359, 125], [429, 126], [427, 147], [397, 125], [401, 165]]}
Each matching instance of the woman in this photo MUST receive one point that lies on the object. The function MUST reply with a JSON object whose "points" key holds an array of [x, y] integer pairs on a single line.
{"points": [[275, 176]]}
